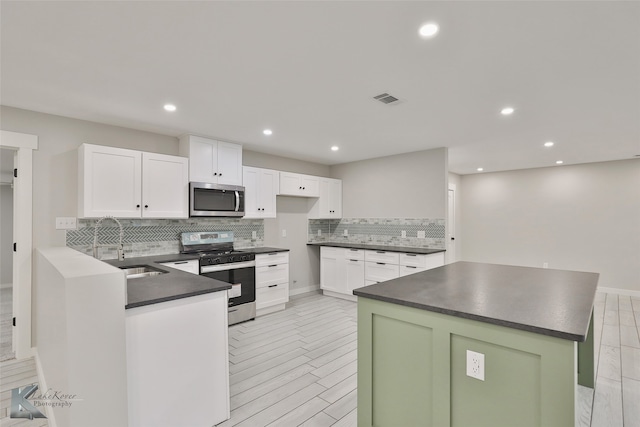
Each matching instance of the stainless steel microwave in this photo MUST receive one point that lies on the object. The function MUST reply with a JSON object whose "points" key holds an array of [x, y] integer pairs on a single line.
{"points": [[206, 199]]}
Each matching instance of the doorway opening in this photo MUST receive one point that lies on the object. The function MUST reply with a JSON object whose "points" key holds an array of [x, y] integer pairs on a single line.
{"points": [[6, 253]]}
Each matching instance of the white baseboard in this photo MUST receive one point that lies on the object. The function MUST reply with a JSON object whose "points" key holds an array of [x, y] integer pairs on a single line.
{"points": [[628, 292], [303, 290], [42, 381]]}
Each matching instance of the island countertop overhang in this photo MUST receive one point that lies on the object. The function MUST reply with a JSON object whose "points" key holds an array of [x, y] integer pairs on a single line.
{"points": [[550, 302]]}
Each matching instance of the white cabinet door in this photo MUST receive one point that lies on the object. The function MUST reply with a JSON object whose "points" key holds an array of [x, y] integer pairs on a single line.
{"points": [[329, 202], [212, 161], [294, 184], [355, 274], [310, 185], [290, 184], [203, 158], [165, 186], [229, 163], [109, 182], [251, 183], [260, 192], [332, 276], [335, 198]]}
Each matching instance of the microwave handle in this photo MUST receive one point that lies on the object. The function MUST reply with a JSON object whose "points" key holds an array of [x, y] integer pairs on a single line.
{"points": [[237, 200]]}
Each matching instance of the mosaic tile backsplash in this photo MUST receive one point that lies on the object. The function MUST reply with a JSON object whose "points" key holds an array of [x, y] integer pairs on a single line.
{"points": [[380, 231], [144, 237]]}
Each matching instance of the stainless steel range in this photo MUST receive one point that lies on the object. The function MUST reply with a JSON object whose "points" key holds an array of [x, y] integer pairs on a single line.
{"points": [[218, 260]]}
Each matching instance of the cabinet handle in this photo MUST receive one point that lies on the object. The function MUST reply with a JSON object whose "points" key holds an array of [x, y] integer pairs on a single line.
{"points": [[304, 188], [215, 174], [181, 262], [381, 263], [272, 286], [220, 174], [274, 265], [146, 206], [410, 266], [273, 253], [380, 252], [137, 206], [354, 250], [411, 255], [354, 260]]}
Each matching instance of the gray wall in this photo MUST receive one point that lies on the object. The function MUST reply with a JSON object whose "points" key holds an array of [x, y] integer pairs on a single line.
{"points": [[454, 248], [582, 217], [411, 185], [55, 170]]}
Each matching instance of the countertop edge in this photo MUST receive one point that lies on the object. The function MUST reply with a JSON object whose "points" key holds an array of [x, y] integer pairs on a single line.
{"points": [[483, 319], [401, 249]]}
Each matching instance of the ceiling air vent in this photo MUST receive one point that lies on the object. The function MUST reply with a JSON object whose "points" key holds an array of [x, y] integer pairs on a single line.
{"points": [[385, 98]]}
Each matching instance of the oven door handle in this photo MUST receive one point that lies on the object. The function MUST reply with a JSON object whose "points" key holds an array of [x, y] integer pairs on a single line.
{"points": [[225, 267], [237, 201]]}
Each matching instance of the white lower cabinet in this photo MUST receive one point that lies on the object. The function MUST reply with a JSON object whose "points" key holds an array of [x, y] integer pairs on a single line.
{"points": [[177, 358], [272, 282], [344, 269], [191, 266]]}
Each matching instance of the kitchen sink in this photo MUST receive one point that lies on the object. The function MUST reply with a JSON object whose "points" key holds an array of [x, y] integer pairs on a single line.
{"points": [[138, 271]]}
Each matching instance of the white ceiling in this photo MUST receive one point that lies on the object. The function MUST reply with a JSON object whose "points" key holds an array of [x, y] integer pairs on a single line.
{"points": [[310, 70]]}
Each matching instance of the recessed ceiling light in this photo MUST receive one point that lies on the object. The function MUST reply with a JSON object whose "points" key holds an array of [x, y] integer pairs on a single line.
{"points": [[169, 107], [507, 111], [548, 144], [480, 169], [429, 29], [559, 162], [335, 148], [267, 131]]}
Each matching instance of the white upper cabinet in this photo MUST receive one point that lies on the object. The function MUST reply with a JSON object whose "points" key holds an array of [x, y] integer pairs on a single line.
{"points": [[329, 204], [295, 184], [131, 184], [261, 187], [212, 161], [165, 186]]}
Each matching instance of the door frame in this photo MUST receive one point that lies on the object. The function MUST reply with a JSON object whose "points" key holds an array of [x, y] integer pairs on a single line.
{"points": [[451, 245], [24, 144]]}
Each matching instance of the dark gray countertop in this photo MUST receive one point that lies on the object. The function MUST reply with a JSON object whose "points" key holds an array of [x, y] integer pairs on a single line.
{"points": [[175, 284], [556, 303], [403, 249]]}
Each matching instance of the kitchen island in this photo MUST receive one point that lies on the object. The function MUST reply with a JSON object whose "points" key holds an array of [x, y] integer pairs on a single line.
{"points": [[415, 332]]}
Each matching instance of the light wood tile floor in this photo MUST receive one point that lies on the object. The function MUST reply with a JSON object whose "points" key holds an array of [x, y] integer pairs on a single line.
{"points": [[298, 367]]}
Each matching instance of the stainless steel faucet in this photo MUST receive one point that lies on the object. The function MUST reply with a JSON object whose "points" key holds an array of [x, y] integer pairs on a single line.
{"points": [[95, 238]]}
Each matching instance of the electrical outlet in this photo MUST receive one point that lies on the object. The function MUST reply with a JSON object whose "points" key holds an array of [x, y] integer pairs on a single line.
{"points": [[421, 234], [254, 234], [319, 232], [404, 233], [66, 223], [345, 232], [545, 265], [284, 233], [475, 365]]}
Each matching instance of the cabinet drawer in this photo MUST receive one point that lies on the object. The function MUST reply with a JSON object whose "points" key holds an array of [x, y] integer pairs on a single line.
{"points": [[380, 272], [272, 274], [272, 258], [192, 266], [356, 254], [414, 260], [272, 295], [406, 270], [382, 256]]}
